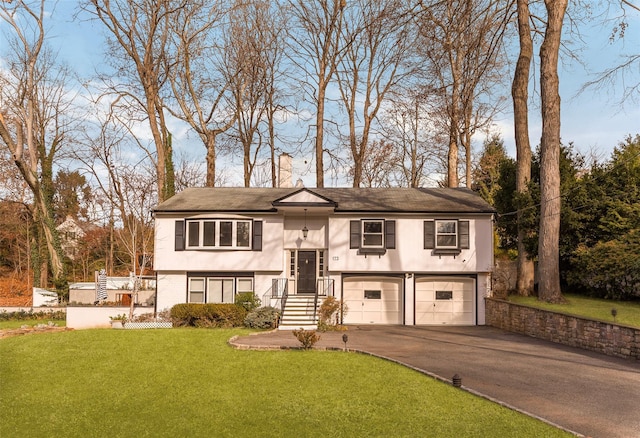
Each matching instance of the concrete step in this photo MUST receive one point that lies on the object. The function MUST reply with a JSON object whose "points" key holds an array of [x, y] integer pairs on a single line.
{"points": [[299, 313], [297, 327]]}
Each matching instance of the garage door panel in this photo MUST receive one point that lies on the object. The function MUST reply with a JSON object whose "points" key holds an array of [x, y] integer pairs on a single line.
{"points": [[465, 307], [387, 309], [444, 301]]}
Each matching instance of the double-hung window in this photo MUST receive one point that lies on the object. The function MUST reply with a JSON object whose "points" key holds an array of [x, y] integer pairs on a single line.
{"points": [[218, 233], [372, 234], [446, 235]]}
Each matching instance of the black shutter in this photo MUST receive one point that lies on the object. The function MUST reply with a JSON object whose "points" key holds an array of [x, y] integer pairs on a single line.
{"points": [[257, 236], [429, 234], [179, 236], [390, 234], [463, 234], [354, 231]]}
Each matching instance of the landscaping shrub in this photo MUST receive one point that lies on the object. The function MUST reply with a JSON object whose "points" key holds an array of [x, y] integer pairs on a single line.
{"points": [[248, 300], [307, 338], [263, 318], [208, 315], [21, 315], [609, 269], [329, 314], [163, 316]]}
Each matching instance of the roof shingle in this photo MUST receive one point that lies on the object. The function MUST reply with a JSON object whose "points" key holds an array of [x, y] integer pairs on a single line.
{"points": [[398, 200]]}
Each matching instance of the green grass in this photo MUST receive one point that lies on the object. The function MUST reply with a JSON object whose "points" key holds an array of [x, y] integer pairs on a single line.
{"points": [[628, 313], [189, 382], [17, 323]]}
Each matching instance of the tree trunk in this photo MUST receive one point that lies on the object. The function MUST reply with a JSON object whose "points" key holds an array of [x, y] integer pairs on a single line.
{"points": [[454, 120], [520, 95], [452, 156], [549, 238], [159, 142], [320, 136], [169, 188], [210, 143]]}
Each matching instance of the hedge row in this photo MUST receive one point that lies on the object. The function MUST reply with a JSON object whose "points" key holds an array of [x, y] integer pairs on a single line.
{"points": [[21, 315], [208, 315]]}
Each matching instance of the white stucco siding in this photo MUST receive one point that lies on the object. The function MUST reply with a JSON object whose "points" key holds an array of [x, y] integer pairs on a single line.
{"points": [[172, 289], [481, 239], [316, 236], [269, 259], [483, 291], [409, 254]]}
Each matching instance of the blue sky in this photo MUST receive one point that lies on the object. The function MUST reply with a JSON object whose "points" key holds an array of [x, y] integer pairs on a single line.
{"points": [[594, 120]]}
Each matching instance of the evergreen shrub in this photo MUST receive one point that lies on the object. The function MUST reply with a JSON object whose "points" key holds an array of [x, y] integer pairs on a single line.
{"points": [[208, 315], [248, 300], [263, 318]]}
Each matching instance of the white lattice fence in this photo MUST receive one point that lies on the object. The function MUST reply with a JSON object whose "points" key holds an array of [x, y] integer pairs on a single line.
{"points": [[146, 325]]}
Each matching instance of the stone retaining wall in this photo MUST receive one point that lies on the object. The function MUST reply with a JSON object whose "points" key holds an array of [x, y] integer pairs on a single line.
{"points": [[603, 337]]}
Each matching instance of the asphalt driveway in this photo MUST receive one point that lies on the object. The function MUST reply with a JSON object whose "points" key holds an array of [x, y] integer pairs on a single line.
{"points": [[587, 393]]}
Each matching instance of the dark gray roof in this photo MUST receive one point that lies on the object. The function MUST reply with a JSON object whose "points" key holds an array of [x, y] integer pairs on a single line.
{"points": [[398, 200]]}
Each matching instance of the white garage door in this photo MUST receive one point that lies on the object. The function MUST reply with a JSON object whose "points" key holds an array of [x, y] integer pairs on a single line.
{"points": [[373, 300], [445, 301]]}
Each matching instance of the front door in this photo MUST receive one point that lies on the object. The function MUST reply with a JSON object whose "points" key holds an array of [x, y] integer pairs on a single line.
{"points": [[306, 272]]}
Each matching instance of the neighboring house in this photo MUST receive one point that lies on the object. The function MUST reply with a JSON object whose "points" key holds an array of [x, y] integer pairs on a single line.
{"points": [[71, 232], [420, 256]]}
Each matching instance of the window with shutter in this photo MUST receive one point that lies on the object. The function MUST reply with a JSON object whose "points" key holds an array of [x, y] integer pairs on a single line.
{"points": [[429, 234], [390, 234], [372, 234], [257, 236], [179, 236], [217, 234], [354, 230], [446, 236], [463, 234]]}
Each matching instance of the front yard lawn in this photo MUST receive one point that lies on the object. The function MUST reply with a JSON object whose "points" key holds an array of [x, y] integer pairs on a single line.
{"points": [[189, 382], [628, 312]]}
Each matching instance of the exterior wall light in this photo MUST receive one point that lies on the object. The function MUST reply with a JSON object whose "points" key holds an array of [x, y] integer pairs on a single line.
{"points": [[305, 230]]}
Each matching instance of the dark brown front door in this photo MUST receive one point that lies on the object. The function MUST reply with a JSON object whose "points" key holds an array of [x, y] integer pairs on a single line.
{"points": [[306, 272]]}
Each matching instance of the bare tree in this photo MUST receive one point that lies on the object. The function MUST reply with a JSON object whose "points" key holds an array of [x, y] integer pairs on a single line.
{"points": [[35, 119], [378, 39], [199, 89], [315, 34], [549, 238], [126, 186], [137, 49], [625, 71], [418, 143], [252, 52], [377, 167], [520, 95], [462, 42]]}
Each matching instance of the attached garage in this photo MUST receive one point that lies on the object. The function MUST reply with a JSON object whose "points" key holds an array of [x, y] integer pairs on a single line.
{"points": [[444, 300], [373, 300]]}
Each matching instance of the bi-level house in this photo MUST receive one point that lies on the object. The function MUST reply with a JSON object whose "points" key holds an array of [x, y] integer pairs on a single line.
{"points": [[419, 256]]}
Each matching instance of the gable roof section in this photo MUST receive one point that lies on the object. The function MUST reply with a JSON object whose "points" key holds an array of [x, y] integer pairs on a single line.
{"points": [[347, 200], [302, 198]]}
